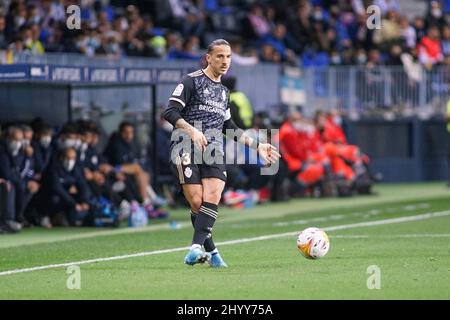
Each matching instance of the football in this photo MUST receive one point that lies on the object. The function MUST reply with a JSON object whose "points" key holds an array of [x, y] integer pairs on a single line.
{"points": [[313, 243]]}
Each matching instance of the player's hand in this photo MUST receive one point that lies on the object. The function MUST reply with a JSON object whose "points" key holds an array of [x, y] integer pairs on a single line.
{"points": [[268, 153], [199, 139]]}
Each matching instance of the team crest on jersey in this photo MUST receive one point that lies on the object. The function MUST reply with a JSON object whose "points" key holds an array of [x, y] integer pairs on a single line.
{"points": [[224, 95], [206, 91], [178, 90], [188, 172]]}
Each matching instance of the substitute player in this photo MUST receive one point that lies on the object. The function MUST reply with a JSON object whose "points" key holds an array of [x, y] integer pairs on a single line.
{"points": [[200, 98]]}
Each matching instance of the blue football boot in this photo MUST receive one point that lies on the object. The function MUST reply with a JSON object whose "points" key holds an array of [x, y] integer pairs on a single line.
{"points": [[216, 261], [194, 256]]}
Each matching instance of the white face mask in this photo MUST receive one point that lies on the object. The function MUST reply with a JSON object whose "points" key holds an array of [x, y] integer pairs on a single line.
{"points": [[337, 121], [436, 12], [69, 143], [298, 126], [84, 146], [14, 147], [45, 141], [26, 143], [69, 164]]}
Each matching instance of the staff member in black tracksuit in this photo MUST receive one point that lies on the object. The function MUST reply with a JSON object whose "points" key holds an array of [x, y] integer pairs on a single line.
{"points": [[16, 167], [65, 188], [41, 144]]}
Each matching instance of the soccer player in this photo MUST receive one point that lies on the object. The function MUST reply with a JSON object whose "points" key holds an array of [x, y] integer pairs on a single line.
{"points": [[200, 98]]}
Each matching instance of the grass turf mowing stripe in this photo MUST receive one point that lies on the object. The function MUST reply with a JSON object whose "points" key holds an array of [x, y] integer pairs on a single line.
{"points": [[232, 242]]}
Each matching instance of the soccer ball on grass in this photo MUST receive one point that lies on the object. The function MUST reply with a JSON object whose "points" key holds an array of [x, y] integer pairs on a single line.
{"points": [[313, 243]]}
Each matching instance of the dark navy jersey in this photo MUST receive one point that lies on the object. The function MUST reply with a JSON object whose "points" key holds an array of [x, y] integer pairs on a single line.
{"points": [[204, 102]]}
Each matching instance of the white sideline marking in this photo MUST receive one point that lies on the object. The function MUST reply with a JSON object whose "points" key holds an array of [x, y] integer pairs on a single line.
{"points": [[391, 236], [231, 242]]}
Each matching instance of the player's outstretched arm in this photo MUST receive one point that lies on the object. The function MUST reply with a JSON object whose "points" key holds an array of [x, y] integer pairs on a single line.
{"points": [[267, 152]]}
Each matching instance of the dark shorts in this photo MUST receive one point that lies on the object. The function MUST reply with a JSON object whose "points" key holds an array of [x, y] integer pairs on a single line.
{"points": [[188, 172]]}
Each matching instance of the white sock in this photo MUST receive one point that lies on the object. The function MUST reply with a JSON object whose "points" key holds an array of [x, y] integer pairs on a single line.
{"points": [[215, 251], [195, 246], [151, 193]]}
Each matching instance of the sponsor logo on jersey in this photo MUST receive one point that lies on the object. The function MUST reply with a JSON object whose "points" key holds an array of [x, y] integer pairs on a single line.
{"points": [[211, 109], [178, 90]]}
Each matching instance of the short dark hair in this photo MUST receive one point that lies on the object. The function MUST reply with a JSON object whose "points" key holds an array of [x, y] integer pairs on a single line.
{"points": [[125, 124], [217, 42]]}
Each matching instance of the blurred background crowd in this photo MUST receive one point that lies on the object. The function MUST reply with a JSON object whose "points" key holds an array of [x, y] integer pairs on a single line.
{"points": [[297, 32]]}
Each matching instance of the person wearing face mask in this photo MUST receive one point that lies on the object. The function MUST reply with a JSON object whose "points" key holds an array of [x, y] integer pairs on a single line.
{"points": [[41, 144], [14, 168], [99, 175], [67, 138], [65, 192], [295, 145]]}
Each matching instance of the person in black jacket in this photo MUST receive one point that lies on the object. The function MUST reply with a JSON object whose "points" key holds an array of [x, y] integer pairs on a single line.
{"points": [[122, 154], [16, 167], [65, 190], [41, 144]]}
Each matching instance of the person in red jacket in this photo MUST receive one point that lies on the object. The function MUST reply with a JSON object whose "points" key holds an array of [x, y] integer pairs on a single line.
{"points": [[295, 145], [334, 145], [429, 48]]}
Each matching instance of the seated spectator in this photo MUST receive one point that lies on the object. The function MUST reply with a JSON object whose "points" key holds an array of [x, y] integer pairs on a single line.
{"points": [[6, 212], [41, 144], [295, 146], [65, 193], [121, 153], [15, 167]]}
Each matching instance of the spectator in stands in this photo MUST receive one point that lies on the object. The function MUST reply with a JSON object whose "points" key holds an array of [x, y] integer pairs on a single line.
{"points": [[429, 48], [446, 40], [389, 33], [3, 40], [30, 38], [281, 41], [188, 17], [419, 26], [269, 54], [239, 58], [387, 5], [408, 33], [258, 22], [435, 15]]}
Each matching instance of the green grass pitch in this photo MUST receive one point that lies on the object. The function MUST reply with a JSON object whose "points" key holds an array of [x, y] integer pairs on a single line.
{"points": [[412, 255]]}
